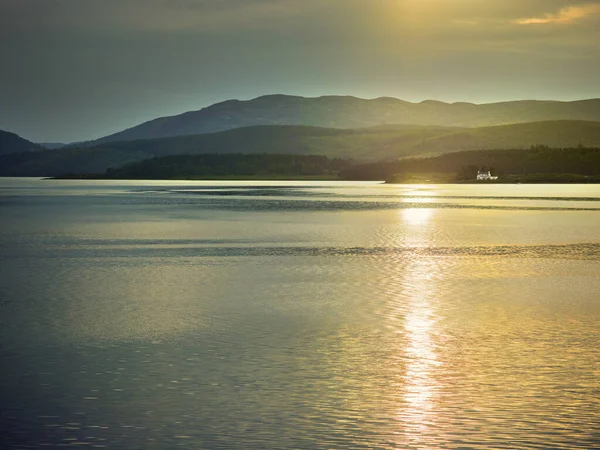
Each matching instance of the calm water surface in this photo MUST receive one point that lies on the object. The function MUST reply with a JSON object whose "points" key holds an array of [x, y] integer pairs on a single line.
{"points": [[269, 315]]}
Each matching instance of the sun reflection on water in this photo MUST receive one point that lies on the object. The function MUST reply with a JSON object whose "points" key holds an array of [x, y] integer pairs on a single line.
{"points": [[421, 357], [417, 412], [416, 216]]}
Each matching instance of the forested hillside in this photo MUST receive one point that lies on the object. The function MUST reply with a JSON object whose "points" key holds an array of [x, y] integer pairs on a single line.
{"points": [[12, 143], [231, 165]]}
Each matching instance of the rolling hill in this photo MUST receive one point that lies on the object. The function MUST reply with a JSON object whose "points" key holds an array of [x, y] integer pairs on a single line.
{"points": [[12, 143], [352, 112], [367, 144]]}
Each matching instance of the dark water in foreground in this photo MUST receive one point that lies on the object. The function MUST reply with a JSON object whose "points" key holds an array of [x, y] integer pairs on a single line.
{"points": [[249, 315]]}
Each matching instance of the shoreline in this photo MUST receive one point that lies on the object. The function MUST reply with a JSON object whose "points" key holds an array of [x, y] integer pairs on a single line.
{"points": [[215, 178], [320, 178]]}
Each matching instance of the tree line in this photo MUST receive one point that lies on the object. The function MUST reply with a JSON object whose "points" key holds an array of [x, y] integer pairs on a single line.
{"points": [[238, 165], [535, 160]]}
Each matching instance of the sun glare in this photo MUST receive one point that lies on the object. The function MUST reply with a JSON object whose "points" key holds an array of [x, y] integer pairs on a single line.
{"points": [[416, 216]]}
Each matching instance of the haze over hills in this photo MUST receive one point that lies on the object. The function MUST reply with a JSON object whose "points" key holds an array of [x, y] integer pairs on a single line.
{"points": [[52, 145], [366, 144], [12, 143], [352, 112]]}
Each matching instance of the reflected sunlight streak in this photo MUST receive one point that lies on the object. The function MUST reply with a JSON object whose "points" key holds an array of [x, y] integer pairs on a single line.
{"points": [[420, 318], [421, 355]]}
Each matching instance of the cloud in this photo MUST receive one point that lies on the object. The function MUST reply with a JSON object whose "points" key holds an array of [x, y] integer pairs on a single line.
{"points": [[566, 15]]}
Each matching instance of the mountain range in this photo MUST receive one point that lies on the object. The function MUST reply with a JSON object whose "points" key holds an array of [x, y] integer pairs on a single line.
{"points": [[352, 112], [342, 127]]}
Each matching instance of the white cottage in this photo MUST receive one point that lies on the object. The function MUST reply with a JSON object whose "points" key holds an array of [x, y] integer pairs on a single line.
{"points": [[485, 176]]}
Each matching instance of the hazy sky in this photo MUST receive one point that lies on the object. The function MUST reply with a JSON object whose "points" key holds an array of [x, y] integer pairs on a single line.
{"points": [[80, 69]]}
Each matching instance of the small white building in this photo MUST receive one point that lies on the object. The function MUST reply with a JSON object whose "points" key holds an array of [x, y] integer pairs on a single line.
{"points": [[485, 176]]}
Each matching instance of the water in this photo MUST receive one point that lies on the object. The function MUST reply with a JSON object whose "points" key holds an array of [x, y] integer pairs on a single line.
{"points": [[269, 315]]}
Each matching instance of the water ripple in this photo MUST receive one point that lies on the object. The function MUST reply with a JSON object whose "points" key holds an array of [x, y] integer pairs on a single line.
{"points": [[203, 248]]}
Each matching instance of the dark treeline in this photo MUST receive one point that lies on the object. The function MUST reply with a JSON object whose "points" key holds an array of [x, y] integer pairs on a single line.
{"points": [[537, 164], [536, 160], [230, 165]]}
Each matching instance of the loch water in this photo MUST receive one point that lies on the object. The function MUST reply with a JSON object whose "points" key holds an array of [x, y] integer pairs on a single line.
{"points": [[276, 315]]}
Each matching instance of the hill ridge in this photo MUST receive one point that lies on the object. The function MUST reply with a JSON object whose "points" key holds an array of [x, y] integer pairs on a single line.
{"points": [[13, 143], [347, 112]]}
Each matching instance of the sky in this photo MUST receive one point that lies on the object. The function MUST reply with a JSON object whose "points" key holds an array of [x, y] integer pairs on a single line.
{"points": [[80, 69]]}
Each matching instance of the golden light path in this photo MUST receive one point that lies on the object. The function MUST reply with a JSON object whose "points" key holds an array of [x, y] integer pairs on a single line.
{"points": [[421, 356]]}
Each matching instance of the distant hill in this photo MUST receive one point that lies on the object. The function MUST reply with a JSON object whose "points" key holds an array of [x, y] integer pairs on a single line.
{"points": [[352, 112], [12, 143], [52, 145], [367, 144]]}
